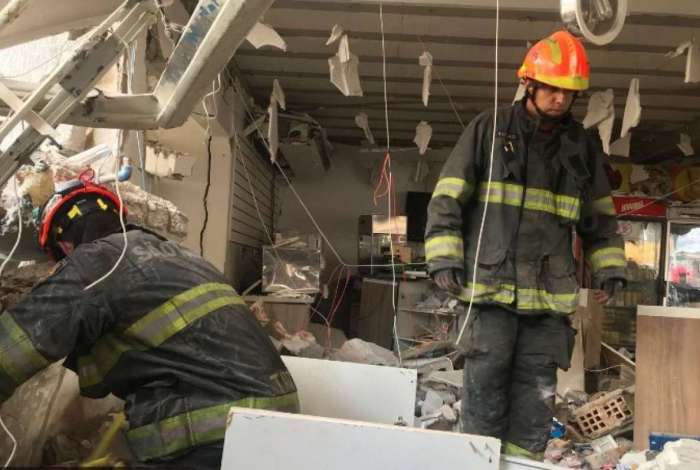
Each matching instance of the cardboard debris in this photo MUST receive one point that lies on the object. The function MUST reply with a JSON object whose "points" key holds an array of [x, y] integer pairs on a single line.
{"points": [[264, 35], [424, 132], [278, 94], [633, 109], [601, 113], [344, 70], [336, 34], [363, 123], [426, 61], [273, 128], [686, 145]]}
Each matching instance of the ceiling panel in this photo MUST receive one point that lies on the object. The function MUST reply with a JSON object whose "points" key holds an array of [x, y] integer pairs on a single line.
{"points": [[460, 36]]}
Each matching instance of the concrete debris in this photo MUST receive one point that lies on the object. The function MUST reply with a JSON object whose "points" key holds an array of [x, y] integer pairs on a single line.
{"points": [[303, 344], [683, 454], [149, 210], [432, 403], [357, 350], [427, 365], [453, 378]]}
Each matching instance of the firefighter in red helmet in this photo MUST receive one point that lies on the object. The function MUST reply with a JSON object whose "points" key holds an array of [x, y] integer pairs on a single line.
{"points": [[164, 331]]}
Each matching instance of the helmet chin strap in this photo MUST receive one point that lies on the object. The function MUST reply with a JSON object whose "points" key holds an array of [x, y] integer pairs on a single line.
{"points": [[544, 117]]}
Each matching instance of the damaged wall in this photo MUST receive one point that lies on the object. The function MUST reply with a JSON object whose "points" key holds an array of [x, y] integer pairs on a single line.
{"points": [[338, 197]]}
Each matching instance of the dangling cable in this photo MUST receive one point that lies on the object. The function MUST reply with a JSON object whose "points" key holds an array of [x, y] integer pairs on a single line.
{"points": [[390, 185], [486, 199]]}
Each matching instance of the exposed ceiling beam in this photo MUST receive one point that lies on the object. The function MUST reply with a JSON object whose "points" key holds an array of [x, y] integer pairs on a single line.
{"points": [[629, 72], [456, 40], [643, 12]]}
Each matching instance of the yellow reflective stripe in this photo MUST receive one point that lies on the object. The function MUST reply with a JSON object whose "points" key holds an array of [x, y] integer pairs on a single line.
{"points": [[74, 212], [554, 50], [18, 357], [456, 188], [516, 451], [154, 328], [605, 205], [535, 199], [536, 299], [558, 204], [444, 246], [501, 193], [575, 82], [177, 302], [197, 427], [502, 293], [607, 258]]}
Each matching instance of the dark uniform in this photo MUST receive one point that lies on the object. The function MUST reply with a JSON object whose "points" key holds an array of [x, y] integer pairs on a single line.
{"points": [[164, 332], [544, 186]]}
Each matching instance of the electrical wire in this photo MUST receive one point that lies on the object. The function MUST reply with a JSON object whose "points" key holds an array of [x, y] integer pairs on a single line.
{"points": [[2, 269], [390, 185], [14, 443], [486, 200], [124, 236]]}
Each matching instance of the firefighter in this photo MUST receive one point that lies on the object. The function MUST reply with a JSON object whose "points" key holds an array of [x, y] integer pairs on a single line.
{"points": [[547, 181], [164, 332]]}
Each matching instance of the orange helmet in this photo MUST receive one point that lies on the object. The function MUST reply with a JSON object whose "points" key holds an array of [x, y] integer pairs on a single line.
{"points": [[559, 60]]}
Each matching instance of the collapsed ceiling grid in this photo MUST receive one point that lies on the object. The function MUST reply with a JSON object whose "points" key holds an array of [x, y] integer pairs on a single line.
{"points": [[460, 40]]}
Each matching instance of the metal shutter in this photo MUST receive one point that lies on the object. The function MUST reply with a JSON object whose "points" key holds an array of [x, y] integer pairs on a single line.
{"points": [[247, 233]]}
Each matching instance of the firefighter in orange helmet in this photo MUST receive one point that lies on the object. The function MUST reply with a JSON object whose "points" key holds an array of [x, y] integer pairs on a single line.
{"points": [[547, 180]]}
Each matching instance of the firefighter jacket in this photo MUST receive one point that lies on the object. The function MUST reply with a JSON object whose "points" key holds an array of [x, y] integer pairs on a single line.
{"points": [[544, 186], [164, 332]]}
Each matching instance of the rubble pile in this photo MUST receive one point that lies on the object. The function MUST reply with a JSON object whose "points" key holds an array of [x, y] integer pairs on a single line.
{"points": [[37, 183]]}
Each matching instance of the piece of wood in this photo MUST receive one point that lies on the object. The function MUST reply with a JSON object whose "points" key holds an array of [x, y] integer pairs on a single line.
{"points": [[267, 440], [667, 372], [346, 390], [614, 358]]}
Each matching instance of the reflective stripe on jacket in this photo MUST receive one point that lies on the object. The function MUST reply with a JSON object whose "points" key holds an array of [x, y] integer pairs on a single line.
{"points": [[164, 332], [543, 187]]}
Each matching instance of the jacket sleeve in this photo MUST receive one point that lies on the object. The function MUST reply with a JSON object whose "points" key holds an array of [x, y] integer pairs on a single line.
{"points": [[44, 327], [602, 245], [444, 245]]}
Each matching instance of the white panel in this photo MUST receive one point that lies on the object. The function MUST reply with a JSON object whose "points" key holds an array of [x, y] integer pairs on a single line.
{"points": [[267, 440], [347, 390]]}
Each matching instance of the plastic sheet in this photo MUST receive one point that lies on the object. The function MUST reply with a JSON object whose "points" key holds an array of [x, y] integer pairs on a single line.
{"points": [[292, 269]]}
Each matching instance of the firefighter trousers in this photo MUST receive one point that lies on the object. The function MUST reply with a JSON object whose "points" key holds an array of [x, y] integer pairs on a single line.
{"points": [[510, 376]]}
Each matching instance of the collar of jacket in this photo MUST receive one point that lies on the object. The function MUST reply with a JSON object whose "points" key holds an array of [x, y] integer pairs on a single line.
{"points": [[529, 125]]}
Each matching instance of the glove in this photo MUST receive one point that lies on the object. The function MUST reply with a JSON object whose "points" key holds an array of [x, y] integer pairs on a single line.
{"points": [[611, 286], [450, 280]]}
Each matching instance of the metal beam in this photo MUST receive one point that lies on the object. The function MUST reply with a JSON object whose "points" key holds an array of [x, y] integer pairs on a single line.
{"points": [[209, 41]]}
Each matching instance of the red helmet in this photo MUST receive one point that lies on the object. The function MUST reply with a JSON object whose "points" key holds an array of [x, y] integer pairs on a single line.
{"points": [[559, 60], [67, 206]]}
